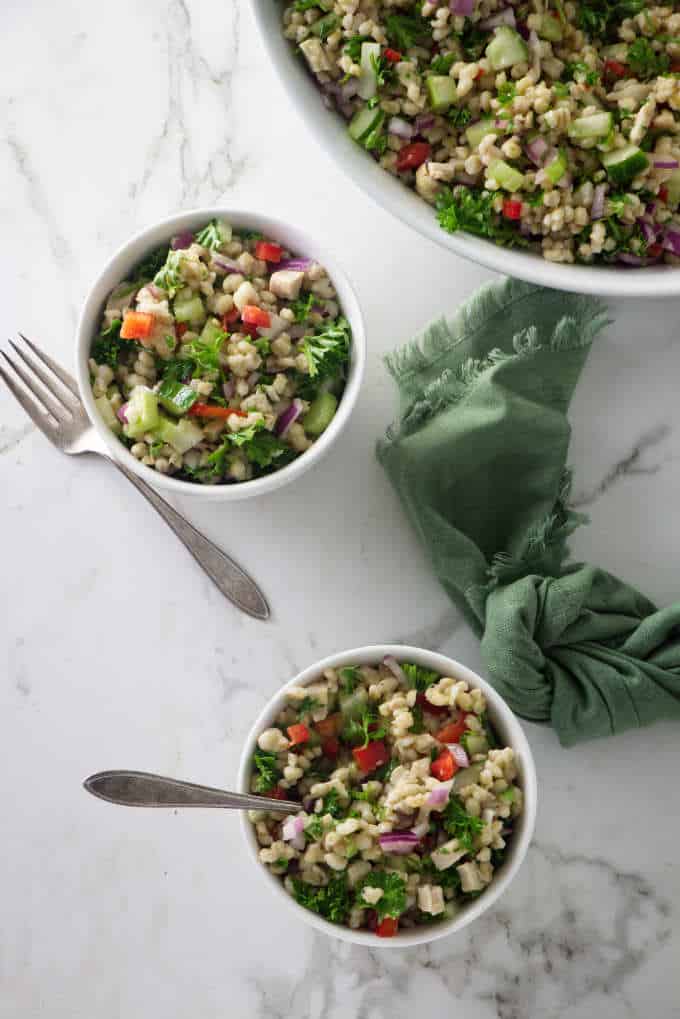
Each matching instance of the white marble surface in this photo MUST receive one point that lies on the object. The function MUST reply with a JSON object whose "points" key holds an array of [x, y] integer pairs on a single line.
{"points": [[119, 653]]}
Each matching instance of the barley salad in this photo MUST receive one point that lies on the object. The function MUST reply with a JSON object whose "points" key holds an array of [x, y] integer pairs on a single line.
{"points": [[409, 802], [547, 125], [222, 356]]}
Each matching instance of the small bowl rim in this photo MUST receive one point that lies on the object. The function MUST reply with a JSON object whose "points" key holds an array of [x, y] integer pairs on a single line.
{"points": [[499, 712], [329, 130], [160, 231]]}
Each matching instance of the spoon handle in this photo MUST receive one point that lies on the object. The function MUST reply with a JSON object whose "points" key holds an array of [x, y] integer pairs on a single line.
{"points": [[142, 789]]}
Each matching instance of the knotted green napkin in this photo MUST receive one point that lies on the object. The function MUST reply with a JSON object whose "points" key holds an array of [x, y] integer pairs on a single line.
{"points": [[478, 457]]}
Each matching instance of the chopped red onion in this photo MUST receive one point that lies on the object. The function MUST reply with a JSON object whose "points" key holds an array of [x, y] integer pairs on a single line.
{"points": [[523, 29], [597, 207], [228, 388], [293, 831], [287, 417], [423, 122], [536, 150], [671, 241], [400, 127], [439, 796], [395, 668], [155, 291], [648, 231], [399, 842], [504, 17], [121, 413], [666, 164], [225, 264], [465, 7], [298, 264], [459, 755], [634, 260], [182, 241], [350, 88]]}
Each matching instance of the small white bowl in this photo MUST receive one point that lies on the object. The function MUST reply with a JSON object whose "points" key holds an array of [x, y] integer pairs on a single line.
{"points": [[330, 130], [509, 732], [140, 245]]}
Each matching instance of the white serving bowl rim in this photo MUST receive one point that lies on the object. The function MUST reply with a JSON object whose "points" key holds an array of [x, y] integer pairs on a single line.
{"points": [[160, 232], [330, 131], [510, 732]]}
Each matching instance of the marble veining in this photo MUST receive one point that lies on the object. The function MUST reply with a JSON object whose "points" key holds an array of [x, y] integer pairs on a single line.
{"points": [[118, 652]]}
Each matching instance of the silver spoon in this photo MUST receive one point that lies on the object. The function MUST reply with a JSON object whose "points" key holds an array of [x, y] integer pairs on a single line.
{"points": [[142, 789]]}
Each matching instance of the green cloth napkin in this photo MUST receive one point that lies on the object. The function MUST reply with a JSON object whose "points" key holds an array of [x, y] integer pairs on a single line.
{"points": [[478, 458]]}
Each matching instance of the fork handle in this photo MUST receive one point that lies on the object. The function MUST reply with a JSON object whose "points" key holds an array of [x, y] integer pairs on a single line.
{"points": [[232, 581]]}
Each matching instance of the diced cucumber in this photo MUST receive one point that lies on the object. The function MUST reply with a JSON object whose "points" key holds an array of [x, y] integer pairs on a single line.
{"points": [[508, 794], [365, 121], [325, 25], [176, 397], [210, 332], [619, 51], [182, 435], [624, 164], [673, 189], [108, 414], [467, 776], [353, 705], [442, 92], [191, 310], [507, 176], [556, 168], [550, 28], [368, 83], [506, 48], [591, 128], [475, 743], [476, 132], [320, 414], [141, 412]]}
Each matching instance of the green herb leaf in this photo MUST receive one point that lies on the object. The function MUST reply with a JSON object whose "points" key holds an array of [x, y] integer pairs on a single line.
{"points": [[507, 92], [353, 46], [419, 678], [393, 900], [331, 804], [459, 824], [169, 276], [327, 350], [264, 762], [306, 706], [212, 236], [644, 61], [349, 679], [148, 267], [108, 346], [332, 901], [472, 210], [407, 30]]}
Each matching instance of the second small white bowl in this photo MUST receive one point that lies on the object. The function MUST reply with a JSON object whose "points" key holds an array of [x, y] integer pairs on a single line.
{"points": [[132, 252], [509, 732]]}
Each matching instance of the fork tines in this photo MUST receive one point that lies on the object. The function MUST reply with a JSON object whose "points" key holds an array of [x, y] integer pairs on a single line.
{"points": [[49, 395]]}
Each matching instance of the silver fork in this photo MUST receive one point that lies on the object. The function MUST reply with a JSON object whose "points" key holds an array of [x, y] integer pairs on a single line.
{"points": [[51, 400]]}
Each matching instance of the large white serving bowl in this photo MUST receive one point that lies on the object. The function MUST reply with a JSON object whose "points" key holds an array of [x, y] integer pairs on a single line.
{"points": [[330, 130], [132, 252], [509, 732]]}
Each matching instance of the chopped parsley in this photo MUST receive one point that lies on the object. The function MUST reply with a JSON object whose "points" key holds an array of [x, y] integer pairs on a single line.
{"points": [[585, 73], [314, 829], [561, 89], [473, 41], [393, 900], [601, 18], [353, 46], [644, 61], [442, 63], [459, 824], [302, 307], [506, 93], [327, 350], [363, 729], [459, 117], [108, 346], [332, 901], [383, 70], [331, 804], [462, 208], [407, 30], [206, 353], [419, 678], [169, 276], [148, 267], [349, 679], [306, 706], [268, 774], [178, 371]]}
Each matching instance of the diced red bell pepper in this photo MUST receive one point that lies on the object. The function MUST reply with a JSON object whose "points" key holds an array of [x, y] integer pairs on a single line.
{"points": [[663, 193], [432, 709], [137, 325], [329, 727], [394, 56], [180, 329], [388, 927], [230, 317], [452, 732], [249, 328], [206, 410], [371, 756], [331, 747], [675, 67], [654, 250], [444, 767], [413, 155], [298, 733], [480, 74], [615, 69], [252, 315], [267, 251], [277, 793], [512, 209]]}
